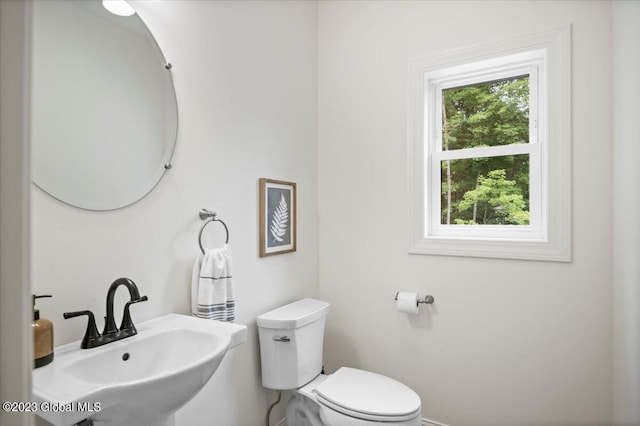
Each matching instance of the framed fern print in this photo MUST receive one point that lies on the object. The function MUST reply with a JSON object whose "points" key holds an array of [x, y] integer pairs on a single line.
{"points": [[277, 217]]}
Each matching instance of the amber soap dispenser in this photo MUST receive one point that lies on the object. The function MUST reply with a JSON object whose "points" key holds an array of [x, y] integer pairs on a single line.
{"points": [[42, 336]]}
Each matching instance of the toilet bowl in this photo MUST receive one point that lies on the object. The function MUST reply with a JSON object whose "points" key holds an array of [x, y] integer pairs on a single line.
{"points": [[352, 397], [291, 343]]}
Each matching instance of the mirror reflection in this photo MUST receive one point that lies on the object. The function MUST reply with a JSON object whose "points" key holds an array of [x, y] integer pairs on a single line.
{"points": [[104, 113]]}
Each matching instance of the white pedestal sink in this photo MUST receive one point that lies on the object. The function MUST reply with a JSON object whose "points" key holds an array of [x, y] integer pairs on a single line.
{"points": [[138, 381]]}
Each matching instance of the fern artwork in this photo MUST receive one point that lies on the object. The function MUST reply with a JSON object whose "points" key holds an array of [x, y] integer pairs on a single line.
{"points": [[277, 217], [280, 222]]}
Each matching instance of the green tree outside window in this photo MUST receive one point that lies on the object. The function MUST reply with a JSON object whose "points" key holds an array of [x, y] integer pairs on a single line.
{"points": [[486, 190]]}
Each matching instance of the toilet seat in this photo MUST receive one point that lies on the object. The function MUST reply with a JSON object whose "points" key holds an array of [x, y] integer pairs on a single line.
{"points": [[368, 396]]}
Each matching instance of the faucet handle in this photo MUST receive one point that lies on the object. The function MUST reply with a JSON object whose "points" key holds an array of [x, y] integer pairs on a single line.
{"points": [[91, 335], [127, 323]]}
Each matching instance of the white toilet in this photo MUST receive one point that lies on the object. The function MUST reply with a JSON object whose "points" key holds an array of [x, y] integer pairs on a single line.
{"points": [[291, 339]]}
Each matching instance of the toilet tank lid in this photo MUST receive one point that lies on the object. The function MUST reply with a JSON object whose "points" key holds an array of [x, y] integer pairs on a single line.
{"points": [[294, 315]]}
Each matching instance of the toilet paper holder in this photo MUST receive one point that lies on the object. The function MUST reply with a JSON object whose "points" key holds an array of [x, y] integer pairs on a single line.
{"points": [[427, 299]]}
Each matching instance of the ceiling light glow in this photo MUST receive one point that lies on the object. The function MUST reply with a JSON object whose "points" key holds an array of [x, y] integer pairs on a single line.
{"points": [[118, 7]]}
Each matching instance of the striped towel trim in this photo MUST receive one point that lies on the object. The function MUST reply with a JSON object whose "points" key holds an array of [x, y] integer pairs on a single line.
{"points": [[215, 278], [219, 311]]}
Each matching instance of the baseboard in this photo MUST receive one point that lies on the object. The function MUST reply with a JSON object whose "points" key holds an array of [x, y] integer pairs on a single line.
{"points": [[427, 422]]}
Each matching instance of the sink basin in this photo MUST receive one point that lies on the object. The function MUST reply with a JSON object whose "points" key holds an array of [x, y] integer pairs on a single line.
{"points": [[140, 380]]}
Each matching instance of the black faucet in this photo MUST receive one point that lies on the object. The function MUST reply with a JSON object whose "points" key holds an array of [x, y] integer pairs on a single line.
{"points": [[91, 335], [127, 326], [110, 333]]}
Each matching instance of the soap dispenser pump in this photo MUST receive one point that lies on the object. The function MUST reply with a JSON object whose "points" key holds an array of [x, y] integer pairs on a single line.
{"points": [[42, 336]]}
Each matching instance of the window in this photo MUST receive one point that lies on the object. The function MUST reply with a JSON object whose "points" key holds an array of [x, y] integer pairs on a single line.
{"points": [[489, 133]]}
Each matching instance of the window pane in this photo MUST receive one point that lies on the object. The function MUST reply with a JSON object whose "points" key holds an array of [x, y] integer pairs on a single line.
{"points": [[485, 191], [486, 114]]}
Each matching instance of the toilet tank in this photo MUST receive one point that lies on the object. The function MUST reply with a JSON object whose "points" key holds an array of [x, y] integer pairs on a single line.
{"points": [[291, 339]]}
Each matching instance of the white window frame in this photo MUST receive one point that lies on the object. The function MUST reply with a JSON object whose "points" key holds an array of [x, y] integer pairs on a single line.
{"points": [[546, 59]]}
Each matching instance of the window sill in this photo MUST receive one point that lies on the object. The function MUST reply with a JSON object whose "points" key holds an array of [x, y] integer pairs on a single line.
{"points": [[493, 248]]}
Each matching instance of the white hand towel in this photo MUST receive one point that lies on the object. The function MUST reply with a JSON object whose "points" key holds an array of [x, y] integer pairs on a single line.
{"points": [[212, 286]]}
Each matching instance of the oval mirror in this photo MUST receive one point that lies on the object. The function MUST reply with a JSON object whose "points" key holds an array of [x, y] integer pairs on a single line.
{"points": [[104, 112]]}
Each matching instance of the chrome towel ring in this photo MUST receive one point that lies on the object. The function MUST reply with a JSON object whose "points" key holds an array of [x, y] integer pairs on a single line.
{"points": [[208, 217]]}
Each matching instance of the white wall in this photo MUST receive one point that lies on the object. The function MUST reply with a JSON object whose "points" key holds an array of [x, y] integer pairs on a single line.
{"points": [[626, 210], [246, 80], [506, 342]]}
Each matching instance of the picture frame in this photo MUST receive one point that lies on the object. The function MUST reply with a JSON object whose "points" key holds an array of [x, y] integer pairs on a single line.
{"points": [[278, 217]]}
